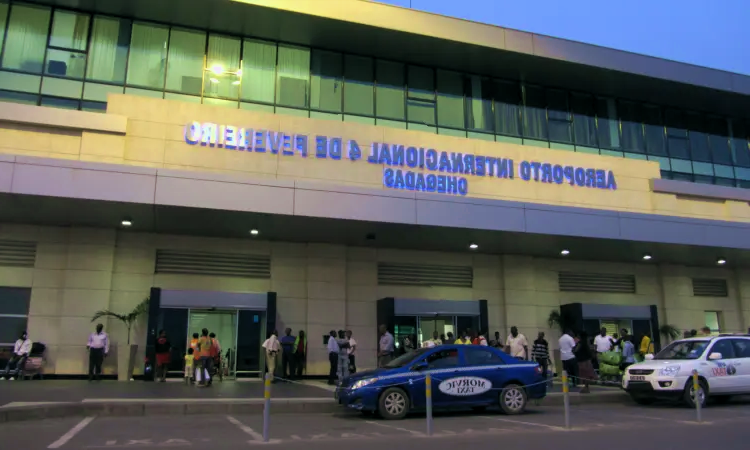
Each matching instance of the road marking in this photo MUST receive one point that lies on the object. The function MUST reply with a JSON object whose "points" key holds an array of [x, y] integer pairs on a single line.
{"points": [[246, 429], [636, 416], [520, 422], [71, 433], [415, 433]]}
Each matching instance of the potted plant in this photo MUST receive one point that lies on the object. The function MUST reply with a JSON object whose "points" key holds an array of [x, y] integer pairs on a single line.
{"points": [[670, 332], [125, 353]]}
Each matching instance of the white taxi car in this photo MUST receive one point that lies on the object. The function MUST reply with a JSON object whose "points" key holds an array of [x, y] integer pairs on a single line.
{"points": [[722, 362]]}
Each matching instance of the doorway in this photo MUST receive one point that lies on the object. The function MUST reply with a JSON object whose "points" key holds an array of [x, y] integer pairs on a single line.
{"points": [[224, 324], [442, 324]]}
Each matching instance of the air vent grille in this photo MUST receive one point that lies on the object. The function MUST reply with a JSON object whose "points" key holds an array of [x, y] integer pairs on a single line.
{"points": [[710, 287], [390, 274], [213, 264], [17, 253], [596, 282]]}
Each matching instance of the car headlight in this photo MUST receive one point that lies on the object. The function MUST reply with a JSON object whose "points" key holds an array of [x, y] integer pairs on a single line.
{"points": [[362, 383], [669, 371]]}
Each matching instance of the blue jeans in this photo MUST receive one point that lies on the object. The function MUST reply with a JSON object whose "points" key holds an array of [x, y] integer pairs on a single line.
{"points": [[18, 361]]}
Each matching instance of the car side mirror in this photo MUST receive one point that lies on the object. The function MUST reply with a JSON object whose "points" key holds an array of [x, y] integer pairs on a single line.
{"points": [[714, 356], [419, 366], [650, 357]]}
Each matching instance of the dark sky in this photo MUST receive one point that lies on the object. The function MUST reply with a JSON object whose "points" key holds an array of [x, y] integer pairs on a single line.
{"points": [[712, 33]]}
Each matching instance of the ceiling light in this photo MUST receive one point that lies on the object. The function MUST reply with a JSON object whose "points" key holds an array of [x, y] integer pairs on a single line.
{"points": [[721, 261], [254, 232], [126, 222], [646, 257], [565, 252], [473, 246], [217, 69]]}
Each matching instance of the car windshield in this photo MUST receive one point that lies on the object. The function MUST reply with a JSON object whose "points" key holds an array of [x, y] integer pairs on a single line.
{"points": [[406, 358], [683, 350]]}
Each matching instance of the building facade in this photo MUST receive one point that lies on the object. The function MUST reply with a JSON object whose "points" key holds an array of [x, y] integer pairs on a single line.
{"points": [[253, 165]]}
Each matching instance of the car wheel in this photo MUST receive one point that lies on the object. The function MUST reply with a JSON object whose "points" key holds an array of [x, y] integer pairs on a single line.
{"points": [[393, 404], [642, 400], [513, 399], [690, 394]]}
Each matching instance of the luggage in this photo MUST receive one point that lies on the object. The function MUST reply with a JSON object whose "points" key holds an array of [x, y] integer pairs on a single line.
{"points": [[608, 370], [610, 358]]}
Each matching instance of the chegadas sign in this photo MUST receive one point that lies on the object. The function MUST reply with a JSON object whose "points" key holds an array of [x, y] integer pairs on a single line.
{"points": [[404, 166], [465, 386]]}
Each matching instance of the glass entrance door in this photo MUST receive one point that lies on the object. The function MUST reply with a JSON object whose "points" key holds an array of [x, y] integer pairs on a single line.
{"points": [[224, 324], [428, 325]]}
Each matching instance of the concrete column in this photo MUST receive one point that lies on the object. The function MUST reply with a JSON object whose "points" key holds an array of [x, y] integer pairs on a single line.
{"points": [[742, 277]]}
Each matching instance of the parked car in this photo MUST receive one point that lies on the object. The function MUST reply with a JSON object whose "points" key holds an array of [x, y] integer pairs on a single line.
{"points": [[463, 376], [722, 362]]}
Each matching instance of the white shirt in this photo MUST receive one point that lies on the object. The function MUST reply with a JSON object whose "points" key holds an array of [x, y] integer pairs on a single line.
{"points": [[22, 347], [517, 345], [272, 344], [333, 346], [352, 350], [482, 341], [566, 344], [602, 343]]}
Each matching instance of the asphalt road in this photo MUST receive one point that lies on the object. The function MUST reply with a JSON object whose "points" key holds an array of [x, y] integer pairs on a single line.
{"points": [[613, 427]]}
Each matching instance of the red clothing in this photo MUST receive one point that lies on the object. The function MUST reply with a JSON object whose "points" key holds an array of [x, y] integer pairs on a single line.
{"points": [[301, 346]]}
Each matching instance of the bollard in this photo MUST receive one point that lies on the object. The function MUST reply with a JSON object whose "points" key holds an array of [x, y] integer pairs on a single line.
{"points": [[696, 399], [266, 406], [566, 399], [428, 398]]}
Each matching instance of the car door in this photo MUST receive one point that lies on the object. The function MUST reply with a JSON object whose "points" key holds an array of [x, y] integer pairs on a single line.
{"points": [[722, 374], [484, 363], [742, 364], [442, 365]]}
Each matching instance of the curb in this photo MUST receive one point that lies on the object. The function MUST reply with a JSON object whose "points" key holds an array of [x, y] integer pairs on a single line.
{"points": [[135, 408]]}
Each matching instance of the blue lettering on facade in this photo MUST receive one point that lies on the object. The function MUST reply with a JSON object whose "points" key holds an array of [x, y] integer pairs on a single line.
{"points": [[403, 165]]}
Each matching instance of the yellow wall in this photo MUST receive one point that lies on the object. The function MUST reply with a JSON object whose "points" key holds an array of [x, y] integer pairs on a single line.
{"points": [[155, 137]]}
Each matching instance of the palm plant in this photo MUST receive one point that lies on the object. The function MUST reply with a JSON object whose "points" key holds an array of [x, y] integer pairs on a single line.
{"points": [[128, 319], [669, 331]]}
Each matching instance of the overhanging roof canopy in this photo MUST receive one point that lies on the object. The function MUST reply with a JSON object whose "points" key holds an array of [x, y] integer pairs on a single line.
{"points": [[385, 31]]}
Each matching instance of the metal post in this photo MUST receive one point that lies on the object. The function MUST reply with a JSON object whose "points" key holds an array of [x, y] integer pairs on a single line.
{"points": [[566, 399], [266, 406], [696, 398], [428, 397]]}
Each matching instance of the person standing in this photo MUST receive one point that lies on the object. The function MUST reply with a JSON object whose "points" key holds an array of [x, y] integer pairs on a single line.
{"points": [[342, 368], [300, 350], [540, 353], [583, 355], [516, 345], [497, 342], [434, 342], [333, 357], [628, 353], [568, 358], [205, 359], [385, 347], [98, 346], [352, 352], [449, 340], [189, 366], [602, 343], [287, 354], [17, 360], [272, 347], [646, 347], [163, 356], [216, 356]]}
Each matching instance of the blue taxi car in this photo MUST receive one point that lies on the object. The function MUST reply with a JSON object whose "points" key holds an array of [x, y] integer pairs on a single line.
{"points": [[469, 376]]}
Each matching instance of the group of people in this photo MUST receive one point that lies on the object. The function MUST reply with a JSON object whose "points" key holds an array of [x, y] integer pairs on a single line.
{"points": [[203, 358], [342, 355], [292, 349]]}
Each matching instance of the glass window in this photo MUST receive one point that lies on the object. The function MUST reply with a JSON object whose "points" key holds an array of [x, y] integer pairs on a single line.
{"points": [[741, 348], [69, 30], [65, 63], [359, 79], [63, 103], [507, 108], [26, 39], [223, 65], [420, 100], [631, 127], [534, 114], [389, 92], [479, 115], [148, 55], [584, 119], [442, 359], [724, 347], [740, 144], [3, 20], [560, 126], [712, 321], [327, 85], [481, 357], [607, 125], [677, 141], [653, 127], [10, 328], [15, 301], [698, 138], [18, 97], [185, 61], [729, 182], [718, 139], [293, 76], [450, 100], [258, 71], [98, 107], [108, 50]]}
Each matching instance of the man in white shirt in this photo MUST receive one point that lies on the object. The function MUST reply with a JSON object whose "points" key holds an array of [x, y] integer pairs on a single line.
{"points": [[17, 360], [333, 356], [385, 347], [434, 342], [568, 358], [603, 343], [352, 352], [98, 345], [516, 345], [272, 347]]}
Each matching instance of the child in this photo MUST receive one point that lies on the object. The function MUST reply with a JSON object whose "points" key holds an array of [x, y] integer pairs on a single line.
{"points": [[189, 371]]}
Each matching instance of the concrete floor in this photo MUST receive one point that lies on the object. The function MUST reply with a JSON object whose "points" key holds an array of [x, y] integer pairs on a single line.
{"points": [[613, 427]]}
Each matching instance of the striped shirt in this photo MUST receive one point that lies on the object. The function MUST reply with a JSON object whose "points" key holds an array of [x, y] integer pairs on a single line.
{"points": [[540, 351]]}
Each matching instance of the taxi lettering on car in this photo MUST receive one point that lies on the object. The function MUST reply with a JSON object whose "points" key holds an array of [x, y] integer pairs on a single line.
{"points": [[466, 376]]}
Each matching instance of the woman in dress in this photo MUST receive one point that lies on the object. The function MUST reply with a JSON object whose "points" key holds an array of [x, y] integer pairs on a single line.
{"points": [[163, 356], [582, 353]]}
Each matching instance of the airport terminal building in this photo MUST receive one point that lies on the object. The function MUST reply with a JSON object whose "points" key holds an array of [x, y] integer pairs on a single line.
{"points": [[252, 165]]}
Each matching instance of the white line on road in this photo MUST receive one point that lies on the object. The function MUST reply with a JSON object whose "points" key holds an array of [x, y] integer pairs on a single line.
{"points": [[520, 422], [71, 433], [415, 433], [254, 434], [634, 416]]}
